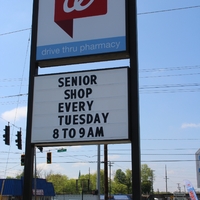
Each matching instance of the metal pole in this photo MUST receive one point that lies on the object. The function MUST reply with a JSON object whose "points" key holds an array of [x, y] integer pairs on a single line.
{"points": [[134, 100], [98, 170], [2, 187], [29, 150], [105, 172], [110, 176], [35, 176], [166, 178]]}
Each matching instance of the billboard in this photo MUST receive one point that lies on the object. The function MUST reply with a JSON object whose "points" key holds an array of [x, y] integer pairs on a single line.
{"points": [[74, 31], [81, 108]]}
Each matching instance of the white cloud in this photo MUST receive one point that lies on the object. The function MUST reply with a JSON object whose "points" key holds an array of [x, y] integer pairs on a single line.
{"points": [[80, 164], [15, 114], [190, 125], [44, 169], [113, 157]]}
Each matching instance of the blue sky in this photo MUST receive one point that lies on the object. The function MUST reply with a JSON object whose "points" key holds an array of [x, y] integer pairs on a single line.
{"points": [[169, 67]]}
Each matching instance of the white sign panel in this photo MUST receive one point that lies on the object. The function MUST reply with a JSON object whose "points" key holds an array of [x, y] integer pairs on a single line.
{"points": [[90, 106], [71, 28]]}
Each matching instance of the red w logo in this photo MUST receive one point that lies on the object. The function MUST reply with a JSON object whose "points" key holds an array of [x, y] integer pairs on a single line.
{"points": [[68, 10]]}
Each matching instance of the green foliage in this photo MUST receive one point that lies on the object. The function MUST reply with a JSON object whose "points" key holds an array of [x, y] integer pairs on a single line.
{"points": [[120, 177], [146, 179], [9, 177], [121, 183], [70, 187], [146, 187], [59, 181], [146, 173], [20, 175], [129, 181], [119, 188]]}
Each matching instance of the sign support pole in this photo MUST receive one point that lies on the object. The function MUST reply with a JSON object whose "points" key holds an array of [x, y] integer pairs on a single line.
{"points": [[29, 151], [134, 104]]}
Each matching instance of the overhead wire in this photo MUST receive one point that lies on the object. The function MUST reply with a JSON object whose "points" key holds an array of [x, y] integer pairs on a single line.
{"points": [[169, 10], [141, 13], [144, 13], [170, 68], [147, 89], [17, 31], [17, 104], [117, 161]]}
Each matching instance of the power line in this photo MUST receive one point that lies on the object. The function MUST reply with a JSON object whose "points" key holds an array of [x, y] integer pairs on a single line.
{"points": [[17, 95], [2, 34], [170, 68], [13, 102], [17, 105], [170, 86], [175, 139], [150, 89], [142, 13], [13, 79], [160, 69], [168, 10], [115, 161], [111, 153], [170, 75], [170, 91]]}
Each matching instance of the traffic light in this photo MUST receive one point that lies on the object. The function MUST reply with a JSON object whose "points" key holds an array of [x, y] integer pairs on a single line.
{"points": [[7, 135], [48, 157], [19, 140], [22, 159]]}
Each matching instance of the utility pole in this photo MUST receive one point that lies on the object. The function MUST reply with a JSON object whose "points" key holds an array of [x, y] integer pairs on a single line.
{"points": [[166, 177], [110, 165], [179, 187]]}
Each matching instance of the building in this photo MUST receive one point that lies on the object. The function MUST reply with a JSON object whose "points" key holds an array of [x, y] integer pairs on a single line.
{"points": [[12, 189]]}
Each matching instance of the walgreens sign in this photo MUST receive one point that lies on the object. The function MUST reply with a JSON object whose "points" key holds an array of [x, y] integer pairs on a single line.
{"points": [[68, 10], [77, 28]]}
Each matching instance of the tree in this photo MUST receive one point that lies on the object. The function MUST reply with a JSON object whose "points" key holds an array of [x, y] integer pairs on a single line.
{"points": [[146, 187], [18, 176], [120, 177], [59, 182], [146, 179], [121, 184], [70, 187], [129, 181], [119, 188]]}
